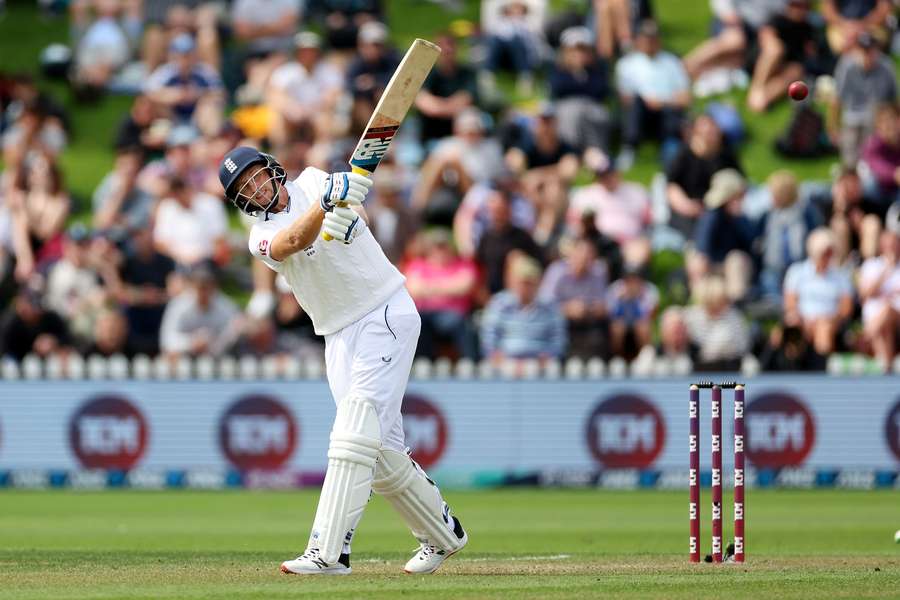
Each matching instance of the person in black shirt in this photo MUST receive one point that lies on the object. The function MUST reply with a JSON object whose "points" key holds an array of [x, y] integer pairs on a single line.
{"points": [[27, 327], [785, 44], [450, 88], [499, 240], [690, 172], [145, 275]]}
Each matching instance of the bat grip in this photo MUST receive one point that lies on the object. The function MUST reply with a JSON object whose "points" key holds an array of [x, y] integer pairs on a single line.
{"points": [[359, 171]]}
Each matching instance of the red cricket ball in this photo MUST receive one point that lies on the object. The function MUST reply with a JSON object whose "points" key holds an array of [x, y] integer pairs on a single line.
{"points": [[798, 90]]}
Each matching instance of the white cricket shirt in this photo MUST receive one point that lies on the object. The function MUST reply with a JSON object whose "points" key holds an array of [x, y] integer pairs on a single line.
{"points": [[335, 283]]}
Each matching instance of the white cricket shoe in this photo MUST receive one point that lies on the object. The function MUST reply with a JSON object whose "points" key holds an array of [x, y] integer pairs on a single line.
{"points": [[309, 563], [429, 557]]}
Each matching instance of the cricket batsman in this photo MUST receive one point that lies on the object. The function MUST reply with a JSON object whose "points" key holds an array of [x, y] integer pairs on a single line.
{"points": [[357, 300]]}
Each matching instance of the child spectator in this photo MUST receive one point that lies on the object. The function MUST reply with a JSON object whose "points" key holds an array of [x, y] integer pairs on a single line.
{"points": [[632, 302]]}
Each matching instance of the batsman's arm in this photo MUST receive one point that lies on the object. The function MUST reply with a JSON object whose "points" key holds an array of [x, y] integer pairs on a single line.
{"points": [[299, 234]]}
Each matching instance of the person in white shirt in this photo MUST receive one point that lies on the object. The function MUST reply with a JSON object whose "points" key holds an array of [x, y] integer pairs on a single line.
{"points": [[655, 92], [190, 226], [357, 300], [879, 291]]}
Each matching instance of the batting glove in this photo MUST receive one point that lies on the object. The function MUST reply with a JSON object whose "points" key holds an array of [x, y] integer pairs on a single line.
{"points": [[345, 188], [343, 224]]}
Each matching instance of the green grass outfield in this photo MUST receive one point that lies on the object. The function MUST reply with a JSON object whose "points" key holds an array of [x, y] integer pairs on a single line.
{"points": [[524, 544]]}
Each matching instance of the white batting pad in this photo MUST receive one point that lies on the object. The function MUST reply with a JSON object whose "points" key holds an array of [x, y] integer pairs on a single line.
{"points": [[355, 441], [415, 498]]}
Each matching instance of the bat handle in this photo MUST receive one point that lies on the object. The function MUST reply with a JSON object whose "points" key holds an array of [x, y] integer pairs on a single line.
{"points": [[359, 171]]}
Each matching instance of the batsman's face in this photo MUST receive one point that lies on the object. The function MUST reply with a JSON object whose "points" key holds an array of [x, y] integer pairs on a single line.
{"points": [[258, 185]]}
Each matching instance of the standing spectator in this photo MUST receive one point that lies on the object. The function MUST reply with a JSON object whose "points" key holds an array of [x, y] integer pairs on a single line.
{"points": [[881, 154], [879, 291], [655, 92], [691, 171], [304, 92], [632, 302], [191, 226], [716, 327], [201, 319], [784, 229], [845, 19], [145, 275], [28, 326], [818, 296], [514, 39], [579, 88], [577, 283], [450, 89], [443, 286], [180, 84], [516, 324], [865, 79], [500, 240], [724, 238], [786, 47], [621, 209], [118, 202]]}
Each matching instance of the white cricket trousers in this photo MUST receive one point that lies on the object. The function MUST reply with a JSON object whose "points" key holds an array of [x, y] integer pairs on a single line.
{"points": [[372, 357]]}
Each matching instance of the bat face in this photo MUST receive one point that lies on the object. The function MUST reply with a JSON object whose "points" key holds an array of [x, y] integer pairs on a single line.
{"points": [[395, 101]]}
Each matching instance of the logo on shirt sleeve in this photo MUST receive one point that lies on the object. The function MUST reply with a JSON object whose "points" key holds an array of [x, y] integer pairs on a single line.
{"points": [[263, 247]]}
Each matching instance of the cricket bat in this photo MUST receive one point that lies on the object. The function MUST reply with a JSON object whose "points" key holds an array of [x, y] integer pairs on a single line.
{"points": [[392, 107]]}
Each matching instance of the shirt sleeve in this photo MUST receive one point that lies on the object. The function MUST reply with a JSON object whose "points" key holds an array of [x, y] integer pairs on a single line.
{"points": [[490, 325], [792, 278], [261, 235], [171, 336]]}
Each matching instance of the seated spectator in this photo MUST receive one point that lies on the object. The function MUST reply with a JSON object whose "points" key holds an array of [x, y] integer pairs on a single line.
{"points": [[294, 327], [716, 64], [513, 35], [371, 69], [191, 226], [724, 239], [167, 19], [392, 223], [265, 26], [541, 159], [786, 47], [178, 161], [110, 335], [75, 289], [879, 292], [178, 85], [788, 350], [500, 239], [443, 286], [304, 92], [118, 203], [818, 296], [691, 171], [27, 326], [631, 302], [577, 284], [145, 275], [143, 127], [31, 132], [454, 165], [784, 229], [450, 89], [655, 92], [716, 328], [342, 19], [674, 340], [104, 39], [854, 218], [516, 324], [579, 88], [473, 216], [39, 205], [620, 209], [881, 154], [614, 22], [865, 79], [845, 19], [201, 319]]}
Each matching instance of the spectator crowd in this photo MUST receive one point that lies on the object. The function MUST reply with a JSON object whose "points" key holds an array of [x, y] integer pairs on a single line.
{"points": [[517, 225]]}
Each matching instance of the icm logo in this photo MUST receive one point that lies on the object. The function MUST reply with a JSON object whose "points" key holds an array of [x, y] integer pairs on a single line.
{"points": [[625, 431], [780, 431], [425, 429], [892, 430], [108, 432], [258, 432]]}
